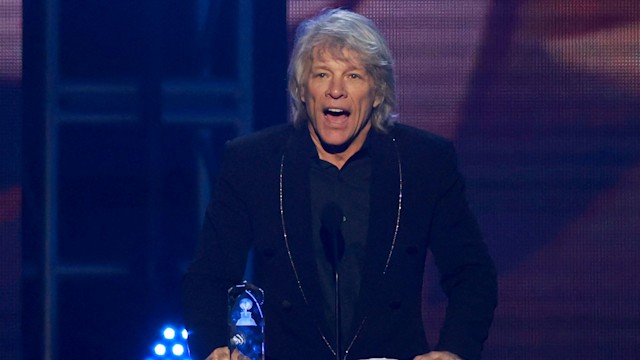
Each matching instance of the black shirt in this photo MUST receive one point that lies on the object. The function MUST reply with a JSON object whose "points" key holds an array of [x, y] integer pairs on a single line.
{"points": [[348, 188]]}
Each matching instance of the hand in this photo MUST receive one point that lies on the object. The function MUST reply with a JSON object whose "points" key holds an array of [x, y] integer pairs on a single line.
{"points": [[222, 353], [438, 355]]}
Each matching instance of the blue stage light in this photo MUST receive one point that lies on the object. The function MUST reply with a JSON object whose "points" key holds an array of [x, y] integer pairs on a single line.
{"points": [[160, 349], [169, 333], [177, 349], [172, 345]]}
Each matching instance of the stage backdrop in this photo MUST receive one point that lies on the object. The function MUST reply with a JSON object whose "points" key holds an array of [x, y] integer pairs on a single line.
{"points": [[10, 188], [542, 99]]}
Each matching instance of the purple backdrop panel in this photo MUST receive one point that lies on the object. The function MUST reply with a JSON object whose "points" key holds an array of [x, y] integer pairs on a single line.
{"points": [[10, 187]]}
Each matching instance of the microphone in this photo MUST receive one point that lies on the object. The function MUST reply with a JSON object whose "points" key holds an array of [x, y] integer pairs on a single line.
{"points": [[331, 234]]}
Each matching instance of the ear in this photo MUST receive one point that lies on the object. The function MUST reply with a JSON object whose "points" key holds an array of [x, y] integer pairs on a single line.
{"points": [[302, 94], [377, 101]]}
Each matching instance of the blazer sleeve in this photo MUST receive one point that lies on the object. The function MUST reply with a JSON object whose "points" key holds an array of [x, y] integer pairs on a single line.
{"points": [[468, 275], [219, 262]]}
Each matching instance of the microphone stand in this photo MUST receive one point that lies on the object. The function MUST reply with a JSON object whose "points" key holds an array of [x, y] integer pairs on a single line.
{"points": [[333, 243], [338, 316]]}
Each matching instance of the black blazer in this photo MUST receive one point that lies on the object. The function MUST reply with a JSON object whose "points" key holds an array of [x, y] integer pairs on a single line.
{"points": [[263, 191]]}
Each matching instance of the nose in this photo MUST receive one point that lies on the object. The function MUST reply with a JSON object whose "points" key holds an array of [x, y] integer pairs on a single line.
{"points": [[336, 89]]}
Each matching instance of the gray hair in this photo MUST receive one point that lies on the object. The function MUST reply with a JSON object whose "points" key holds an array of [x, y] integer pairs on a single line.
{"points": [[334, 31]]}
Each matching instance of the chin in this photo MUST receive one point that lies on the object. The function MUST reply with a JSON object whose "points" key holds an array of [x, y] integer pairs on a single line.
{"points": [[335, 142], [335, 137]]}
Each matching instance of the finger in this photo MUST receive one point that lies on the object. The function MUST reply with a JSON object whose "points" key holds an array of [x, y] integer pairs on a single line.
{"points": [[424, 357], [237, 355], [437, 355], [221, 353]]}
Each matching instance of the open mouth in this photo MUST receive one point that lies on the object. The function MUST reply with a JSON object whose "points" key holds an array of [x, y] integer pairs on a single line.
{"points": [[336, 112]]}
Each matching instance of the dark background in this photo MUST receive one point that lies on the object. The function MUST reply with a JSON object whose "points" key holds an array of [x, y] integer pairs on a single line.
{"points": [[112, 135]]}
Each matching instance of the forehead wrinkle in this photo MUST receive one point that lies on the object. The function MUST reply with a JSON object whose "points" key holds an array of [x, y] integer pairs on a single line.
{"points": [[337, 53]]}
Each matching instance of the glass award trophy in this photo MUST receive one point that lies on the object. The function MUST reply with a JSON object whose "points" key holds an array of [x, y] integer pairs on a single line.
{"points": [[246, 321]]}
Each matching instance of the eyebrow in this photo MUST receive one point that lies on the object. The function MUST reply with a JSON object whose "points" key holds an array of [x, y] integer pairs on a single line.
{"points": [[351, 67]]}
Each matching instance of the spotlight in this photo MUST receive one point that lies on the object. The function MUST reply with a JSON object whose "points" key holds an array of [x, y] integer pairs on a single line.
{"points": [[160, 349], [172, 344], [169, 333], [177, 349]]}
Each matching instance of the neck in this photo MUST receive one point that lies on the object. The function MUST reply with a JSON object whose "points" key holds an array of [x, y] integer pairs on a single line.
{"points": [[341, 158]]}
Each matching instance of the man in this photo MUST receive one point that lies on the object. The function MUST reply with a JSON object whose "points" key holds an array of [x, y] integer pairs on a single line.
{"points": [[396, 192]]}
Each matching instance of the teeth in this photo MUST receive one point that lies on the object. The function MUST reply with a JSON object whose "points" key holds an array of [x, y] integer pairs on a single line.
{"points": [[335, 111]]}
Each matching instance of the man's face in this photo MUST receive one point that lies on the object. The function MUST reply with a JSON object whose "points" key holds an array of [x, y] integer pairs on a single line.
{"points": [[339, 96]]}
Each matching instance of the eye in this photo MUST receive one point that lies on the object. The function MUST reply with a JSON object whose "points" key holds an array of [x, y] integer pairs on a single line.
{"points": [[355, 76], [321, 75]]}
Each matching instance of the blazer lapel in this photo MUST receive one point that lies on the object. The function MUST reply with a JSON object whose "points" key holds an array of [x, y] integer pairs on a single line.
{"points": [[296, 200], [384, 196]]}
